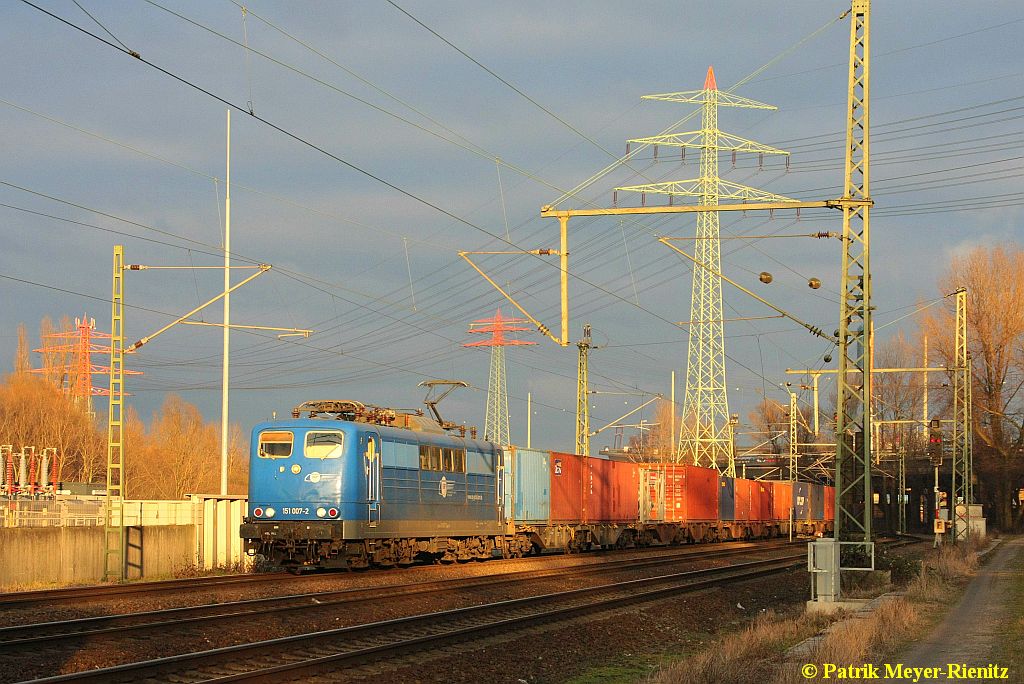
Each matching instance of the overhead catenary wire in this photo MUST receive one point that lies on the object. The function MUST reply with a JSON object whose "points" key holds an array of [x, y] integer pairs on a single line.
{"points": [[634, 293], [318, 148]]}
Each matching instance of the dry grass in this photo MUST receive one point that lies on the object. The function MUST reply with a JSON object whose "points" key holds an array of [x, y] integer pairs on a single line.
{"points": [[750, 655], [755, 653], [858, 640]]}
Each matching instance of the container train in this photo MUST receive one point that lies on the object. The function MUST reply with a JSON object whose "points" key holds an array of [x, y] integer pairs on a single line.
{"points": [[354, 486]]}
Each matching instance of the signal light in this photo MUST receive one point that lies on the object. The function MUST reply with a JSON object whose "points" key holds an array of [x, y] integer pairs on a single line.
{"points": [[270, 512], [333, 513], [258, 512]]}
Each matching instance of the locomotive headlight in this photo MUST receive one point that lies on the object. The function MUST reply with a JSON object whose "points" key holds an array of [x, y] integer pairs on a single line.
{"points": [[321, 512], [269, 512], [296, 469]]}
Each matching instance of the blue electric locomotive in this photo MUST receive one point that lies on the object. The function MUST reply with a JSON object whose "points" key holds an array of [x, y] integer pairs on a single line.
{"points": [[355, 485]]}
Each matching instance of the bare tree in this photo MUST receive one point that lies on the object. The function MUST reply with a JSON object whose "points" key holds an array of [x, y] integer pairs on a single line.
{"points": [[995, 331], [770, 420]]}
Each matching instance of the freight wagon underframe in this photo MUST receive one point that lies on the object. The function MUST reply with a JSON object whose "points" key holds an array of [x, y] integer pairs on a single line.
{"points": [[298, 545]]}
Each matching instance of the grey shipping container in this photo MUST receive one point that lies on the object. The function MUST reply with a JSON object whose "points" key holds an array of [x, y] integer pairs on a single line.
{"points": [[530, 499], [801, 500], [817, 502], [726, 498]]}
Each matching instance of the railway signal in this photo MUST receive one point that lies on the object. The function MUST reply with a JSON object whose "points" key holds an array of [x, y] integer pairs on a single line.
{"points": [[935, 442]]}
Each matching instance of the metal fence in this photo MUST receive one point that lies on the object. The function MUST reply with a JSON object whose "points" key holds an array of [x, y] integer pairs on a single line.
{"points": [[79, 512]]}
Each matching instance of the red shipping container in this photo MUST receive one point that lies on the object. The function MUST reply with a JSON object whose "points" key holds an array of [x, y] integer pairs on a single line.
{"points": [[830, 503], [701, 493], [782, 500], [566, 487], [761, 501], [744, 494], [666, 491], [597, 490], [675, 493], [624, 505], [611, 491]]}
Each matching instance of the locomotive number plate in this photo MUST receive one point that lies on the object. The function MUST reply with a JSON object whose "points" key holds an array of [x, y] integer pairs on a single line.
{"points": [[295, 511]]}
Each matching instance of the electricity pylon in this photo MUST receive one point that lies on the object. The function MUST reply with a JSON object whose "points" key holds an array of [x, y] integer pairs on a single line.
{"points": [[705, 434], [496, 424], [80, 346]]}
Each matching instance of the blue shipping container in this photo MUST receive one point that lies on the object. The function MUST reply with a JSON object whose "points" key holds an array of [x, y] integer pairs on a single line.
{"points": [[801, 501], [726, 498], [530, 499], [817, 502]]}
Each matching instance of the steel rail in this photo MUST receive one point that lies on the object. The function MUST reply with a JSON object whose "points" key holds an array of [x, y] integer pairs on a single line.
{"points": [[106, 591], [18, 636], [350, 643]]}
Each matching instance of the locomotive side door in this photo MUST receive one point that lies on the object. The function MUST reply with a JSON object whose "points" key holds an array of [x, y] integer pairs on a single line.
{"points": [[371, 450]]}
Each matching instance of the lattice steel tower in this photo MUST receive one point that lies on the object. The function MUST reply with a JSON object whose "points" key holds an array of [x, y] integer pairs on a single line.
{"points": [[704, 436], [853, 415], [75, 377], [496, 424], [963, 488]]}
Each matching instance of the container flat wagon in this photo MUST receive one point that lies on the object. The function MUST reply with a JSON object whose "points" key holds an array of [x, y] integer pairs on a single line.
{"points": [[355, 486]]}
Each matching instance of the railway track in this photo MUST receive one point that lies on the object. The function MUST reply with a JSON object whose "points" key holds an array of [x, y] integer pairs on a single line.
{"points": [[108, 626], [104, 592], [305, 655]]}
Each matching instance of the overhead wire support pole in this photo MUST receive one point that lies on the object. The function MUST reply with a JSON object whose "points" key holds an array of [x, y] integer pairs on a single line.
{"points": [[303, 332], [961, 489], [263, 268], [564, 339], [853, 423], [582, 392], [114, 542], [793, 437], [642, 406], [113, 519], [547, 211], [226, 373]]}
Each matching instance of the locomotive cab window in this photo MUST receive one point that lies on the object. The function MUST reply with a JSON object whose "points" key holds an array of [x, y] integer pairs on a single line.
{"points": [[324, 444], [276, 444]]}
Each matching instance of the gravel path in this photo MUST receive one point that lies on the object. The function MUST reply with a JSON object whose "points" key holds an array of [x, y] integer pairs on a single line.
{"points": [[970, 631]]}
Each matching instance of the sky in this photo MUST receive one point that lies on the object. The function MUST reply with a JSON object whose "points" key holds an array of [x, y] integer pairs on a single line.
{"points": [[396, 135]]}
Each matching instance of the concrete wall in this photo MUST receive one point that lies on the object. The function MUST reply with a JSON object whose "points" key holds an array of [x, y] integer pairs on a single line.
{"points": [[31, 556]]}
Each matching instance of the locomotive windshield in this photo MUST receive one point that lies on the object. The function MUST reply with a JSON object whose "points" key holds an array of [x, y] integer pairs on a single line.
{"points": [[276, 444], [324, 444]]}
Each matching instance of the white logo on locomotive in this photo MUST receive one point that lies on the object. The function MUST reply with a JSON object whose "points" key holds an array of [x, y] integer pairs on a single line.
{"points": [[442, 487]]}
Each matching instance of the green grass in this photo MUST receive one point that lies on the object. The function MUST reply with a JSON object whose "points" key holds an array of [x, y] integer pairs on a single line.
{"points": [[625, 673], [630, 668]]}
